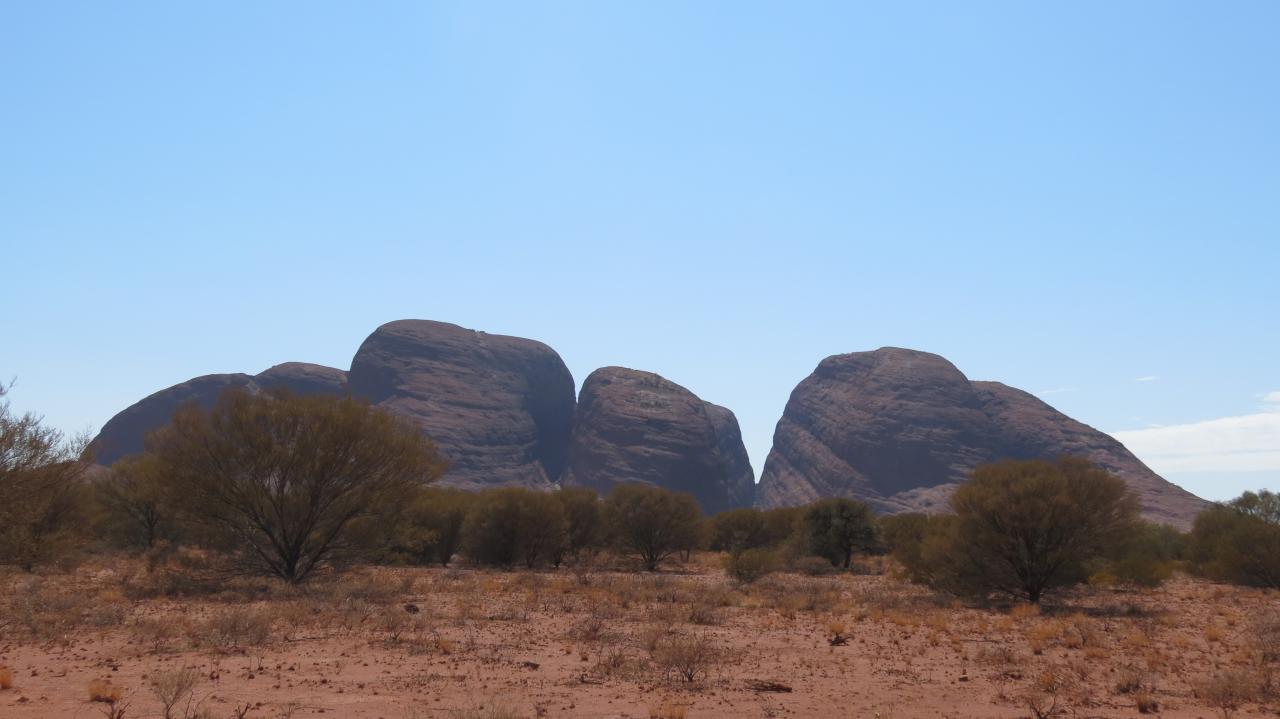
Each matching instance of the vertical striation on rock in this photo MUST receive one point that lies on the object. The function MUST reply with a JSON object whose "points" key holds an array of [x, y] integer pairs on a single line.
{"points": [[500, 408], [634, 426], [899, 429]]}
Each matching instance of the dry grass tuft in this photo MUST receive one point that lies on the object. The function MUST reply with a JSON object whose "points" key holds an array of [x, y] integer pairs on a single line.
{"points": [[1264, 638], [687, 657], [836, 630], [175, 688], [1024, 611], [234, 628], [487, 712], [1228, 690], [669, 710], [102, 690], [6, 678], [1146, 703]]}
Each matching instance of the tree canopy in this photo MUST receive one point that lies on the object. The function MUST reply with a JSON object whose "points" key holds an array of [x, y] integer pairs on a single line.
{"points": [[277, 479]]}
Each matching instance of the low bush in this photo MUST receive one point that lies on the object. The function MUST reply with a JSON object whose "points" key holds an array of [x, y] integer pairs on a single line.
{"points": [[235, 628], [102, 690], [1239, 541], [814, 566], [751, 564], [836, 529], [175, 690], [510, 525], [1148, 558], [685, 657], [651, 523], [738, 530], [43, 498], [1021, 529]]}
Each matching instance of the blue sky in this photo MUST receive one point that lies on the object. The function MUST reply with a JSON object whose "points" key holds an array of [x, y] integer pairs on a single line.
{"points": [[1066, 198]]}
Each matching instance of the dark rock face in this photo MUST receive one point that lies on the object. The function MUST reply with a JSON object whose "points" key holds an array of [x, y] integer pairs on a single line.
{"points": [[124, 433], [634, 426], [899, 429], [1034, 429], [304, 378], [500, 408]]}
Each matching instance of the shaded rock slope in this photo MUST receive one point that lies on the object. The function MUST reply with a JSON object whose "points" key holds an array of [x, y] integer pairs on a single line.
{"points": [[634, 426], [500, 408], [124, 433], [899, 429], [894, 427]]}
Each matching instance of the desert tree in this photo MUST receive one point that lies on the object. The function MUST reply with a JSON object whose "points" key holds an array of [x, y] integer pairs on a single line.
{"points": [[1149, 557], [1024, 527], [434, 521], [836, 529], [514, 524], [584, 530], [737, 530], [278, 479], [903, 536], [491, 532], [543, 528], [1239, 541], [780, 524], [133, 503], [652, 523], [41, 488]]}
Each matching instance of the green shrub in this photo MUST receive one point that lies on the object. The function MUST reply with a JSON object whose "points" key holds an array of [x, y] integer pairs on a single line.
{"points": [[781, 525], [134, 508], [751, 564], [1239, 541], [585, 529], [837, 528], [738, 530], [1023, 528], [42, 490], [652, 523], [512, 524], [280, 481], [903, 536], [1150, 556], [433, 524], [813, 566]]}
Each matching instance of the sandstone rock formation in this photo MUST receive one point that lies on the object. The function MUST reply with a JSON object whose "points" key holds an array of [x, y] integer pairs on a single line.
{"points": [[500, 408], [124, 433], [899, 429], [634, 426], [304, 378]]}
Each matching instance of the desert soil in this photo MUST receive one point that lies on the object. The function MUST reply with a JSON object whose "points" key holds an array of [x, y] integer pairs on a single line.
{"points": [[689, 642]]}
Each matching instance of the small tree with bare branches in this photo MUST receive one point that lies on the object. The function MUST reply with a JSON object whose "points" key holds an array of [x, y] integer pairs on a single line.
{"points": [[278, 479], [41, 475]]}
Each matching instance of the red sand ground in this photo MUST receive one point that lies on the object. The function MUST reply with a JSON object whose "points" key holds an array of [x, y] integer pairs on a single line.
{"points": [[693, 644]]}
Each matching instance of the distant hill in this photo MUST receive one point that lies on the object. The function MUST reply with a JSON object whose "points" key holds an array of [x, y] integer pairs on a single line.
{"points": [[896, 428], [899, 429], [503, 412]]}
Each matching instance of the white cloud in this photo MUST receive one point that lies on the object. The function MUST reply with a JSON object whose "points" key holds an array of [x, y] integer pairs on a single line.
{"points": [[1248, 443], [1147, 378], [1272, 397]]}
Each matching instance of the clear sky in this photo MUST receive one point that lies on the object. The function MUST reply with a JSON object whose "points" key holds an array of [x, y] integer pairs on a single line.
{"points": [[1079, 199]]}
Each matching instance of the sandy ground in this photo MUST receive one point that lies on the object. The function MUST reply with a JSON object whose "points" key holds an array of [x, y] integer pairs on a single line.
{"points": [[405, 643]]}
